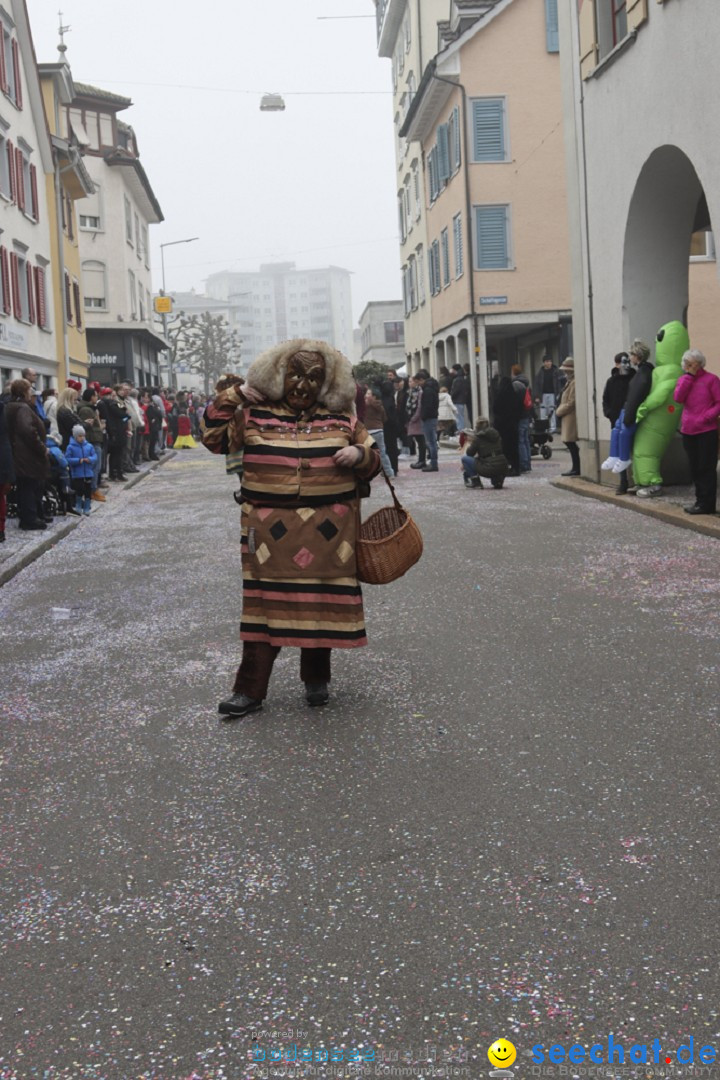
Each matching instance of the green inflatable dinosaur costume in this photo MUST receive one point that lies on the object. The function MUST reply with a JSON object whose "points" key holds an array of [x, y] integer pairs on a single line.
{"points": [[659, 415]]}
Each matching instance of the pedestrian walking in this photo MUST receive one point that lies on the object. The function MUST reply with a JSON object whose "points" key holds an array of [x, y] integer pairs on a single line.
{"points": [[429, 416], [521, 386], [460, 394], [415, 427], [546, 390], [375, 424], [613, 401], [566, 412], [698, 391], [447, 413], [506, 414], [305, 456]]}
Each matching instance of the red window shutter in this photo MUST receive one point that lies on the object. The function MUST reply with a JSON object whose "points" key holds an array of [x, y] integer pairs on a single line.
{"points": [[34, 193], [31, 292], [20, 178], [68, 298], [5, 271], [11, 170], [3, 68], [40, 291], [16, 73], [15, 278], [78, 309]]}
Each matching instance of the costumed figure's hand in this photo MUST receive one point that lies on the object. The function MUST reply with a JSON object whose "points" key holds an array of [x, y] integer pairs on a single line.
{"points": [[252, 395], [349, 457], [641, 413]]}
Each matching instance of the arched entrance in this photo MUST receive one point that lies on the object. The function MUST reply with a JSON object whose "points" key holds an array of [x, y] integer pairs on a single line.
{"points": [[667, 207]]}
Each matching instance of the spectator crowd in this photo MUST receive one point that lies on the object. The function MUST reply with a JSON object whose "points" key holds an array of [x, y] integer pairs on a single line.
{"points": [[61, 451]]}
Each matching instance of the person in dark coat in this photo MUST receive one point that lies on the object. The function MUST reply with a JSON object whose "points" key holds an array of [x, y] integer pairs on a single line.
{"points": [[616, 388], [7, 470], [67, 414], [118, 425], [623, 432], [429, 408], [484, 456], [391, 426], [506, 414], [460, 394], [26, 432]]}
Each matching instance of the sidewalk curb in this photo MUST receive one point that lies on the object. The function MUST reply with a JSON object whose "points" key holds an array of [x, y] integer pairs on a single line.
{"points": [[167, 456], [670, 514], [14, 566]]}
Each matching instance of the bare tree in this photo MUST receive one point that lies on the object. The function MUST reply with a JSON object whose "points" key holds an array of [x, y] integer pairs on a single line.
{"points": [[206, 344]]}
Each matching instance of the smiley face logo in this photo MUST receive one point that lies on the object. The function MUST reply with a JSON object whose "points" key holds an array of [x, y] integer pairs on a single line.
{"points": [[502, 1054]]}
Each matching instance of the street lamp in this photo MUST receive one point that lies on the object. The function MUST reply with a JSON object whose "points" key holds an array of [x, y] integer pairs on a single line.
{"points": [[171, 243]]}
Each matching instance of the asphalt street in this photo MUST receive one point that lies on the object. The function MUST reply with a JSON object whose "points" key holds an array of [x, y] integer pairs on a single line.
{"points": [[504, 824]]}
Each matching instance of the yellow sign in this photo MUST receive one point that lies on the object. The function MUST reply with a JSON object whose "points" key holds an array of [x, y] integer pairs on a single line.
{"points": [[163, 305]]}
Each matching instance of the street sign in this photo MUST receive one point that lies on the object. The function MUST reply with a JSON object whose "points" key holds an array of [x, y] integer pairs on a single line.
{"points": [[163, 305]]}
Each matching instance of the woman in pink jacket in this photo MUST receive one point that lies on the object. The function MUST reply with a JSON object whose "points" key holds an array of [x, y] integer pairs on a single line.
{"points": [[698, 391]]}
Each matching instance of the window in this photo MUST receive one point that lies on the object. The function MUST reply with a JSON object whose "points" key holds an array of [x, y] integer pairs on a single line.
{"points": [[488, 129], [141, 303], [433, 174], [445, 248], [434, 266], [416, 191], [137, 237], [551, 26], [21, 286], [454, 140], [68, 298], [41, 297], [702, 245], [10, 77], [612, 24], [407, 31], [128, 222], [7, 184], [91, 212], [394, 333], [145, 245], [6, 283], [492, 234], [443, 154], [133, 294], [421, 273], [458, 244], [77, 304], [401, 215], [70, 217], [26, 191]]}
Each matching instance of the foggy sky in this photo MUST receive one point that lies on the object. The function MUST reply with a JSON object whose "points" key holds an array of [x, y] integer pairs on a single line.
{"points": [[315, 184]]}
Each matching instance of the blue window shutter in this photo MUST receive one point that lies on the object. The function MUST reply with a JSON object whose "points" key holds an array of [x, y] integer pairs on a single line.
{"points": [[456, 137], [443, 154], [431, 271], [458, 238], [551, 26], [488, 129], [432, 168], [492, 237]]}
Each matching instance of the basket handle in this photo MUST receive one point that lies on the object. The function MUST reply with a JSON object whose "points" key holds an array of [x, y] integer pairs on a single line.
{"points": [[386, 478]]}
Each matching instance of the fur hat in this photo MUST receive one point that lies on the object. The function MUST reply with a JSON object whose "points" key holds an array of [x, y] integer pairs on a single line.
{"points": [[267, 373], [74, 384]]}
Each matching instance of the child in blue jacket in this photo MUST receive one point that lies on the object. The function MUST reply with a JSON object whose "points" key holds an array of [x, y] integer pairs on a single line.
{"points": [[59, 475], [81, 457]]}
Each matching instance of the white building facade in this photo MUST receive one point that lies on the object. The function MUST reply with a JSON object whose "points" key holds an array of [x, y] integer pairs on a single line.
{"points": [[280, 301], [113, 225], [643, 165], [27, 321], [382, 333]]}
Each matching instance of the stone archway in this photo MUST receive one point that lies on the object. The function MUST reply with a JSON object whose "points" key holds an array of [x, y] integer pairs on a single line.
{"points": [[667, 207]]}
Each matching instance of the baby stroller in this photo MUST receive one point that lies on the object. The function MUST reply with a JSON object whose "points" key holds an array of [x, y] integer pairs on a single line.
{"points": [[540, 437], [52, 505]]}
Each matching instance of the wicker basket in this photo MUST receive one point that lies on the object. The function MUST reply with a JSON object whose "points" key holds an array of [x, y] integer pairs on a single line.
{"points": [[388, 544]]}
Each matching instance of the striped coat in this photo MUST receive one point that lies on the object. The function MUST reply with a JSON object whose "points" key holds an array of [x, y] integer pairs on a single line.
{"points": [[299, 520]]}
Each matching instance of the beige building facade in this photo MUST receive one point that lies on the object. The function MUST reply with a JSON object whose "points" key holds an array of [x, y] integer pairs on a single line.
{"points": [[497, 225], [643, 172]]}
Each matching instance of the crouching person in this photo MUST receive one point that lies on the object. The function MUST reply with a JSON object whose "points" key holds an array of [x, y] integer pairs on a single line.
{"points": [[484, 456]]}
